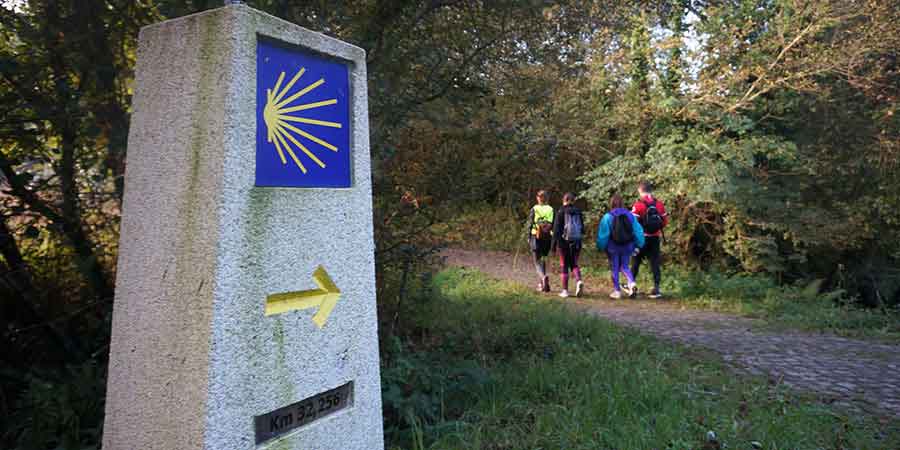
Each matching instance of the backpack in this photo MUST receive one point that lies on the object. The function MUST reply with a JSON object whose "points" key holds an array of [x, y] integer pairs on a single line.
{"points": [[542, 227], [622, 232], [573, 227], [543, 230], [652, 221]]}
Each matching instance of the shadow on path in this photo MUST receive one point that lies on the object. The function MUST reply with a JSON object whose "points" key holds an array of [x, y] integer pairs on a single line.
{"points": [[847, 371]]}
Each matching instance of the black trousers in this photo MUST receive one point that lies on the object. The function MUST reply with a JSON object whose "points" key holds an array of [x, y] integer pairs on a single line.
{"points": [[652, 252], [539, 249]]}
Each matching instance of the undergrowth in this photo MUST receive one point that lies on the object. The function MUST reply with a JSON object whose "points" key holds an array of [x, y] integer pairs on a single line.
{"points": [[489, 365], [485, 229]]}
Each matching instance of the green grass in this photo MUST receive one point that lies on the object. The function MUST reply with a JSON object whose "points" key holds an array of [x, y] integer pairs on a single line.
{"points": [[759, 296], [489, 365]]}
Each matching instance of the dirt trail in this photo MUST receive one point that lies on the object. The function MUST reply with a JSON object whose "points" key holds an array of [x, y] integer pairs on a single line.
{"points": [[848, 371]]}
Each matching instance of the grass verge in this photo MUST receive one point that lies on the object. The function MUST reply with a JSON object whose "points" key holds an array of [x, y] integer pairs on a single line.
{"points": [[489, 365], [781, 306]]}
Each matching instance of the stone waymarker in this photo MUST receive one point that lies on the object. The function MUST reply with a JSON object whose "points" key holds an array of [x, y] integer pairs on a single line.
{"points": [[245, 299]]}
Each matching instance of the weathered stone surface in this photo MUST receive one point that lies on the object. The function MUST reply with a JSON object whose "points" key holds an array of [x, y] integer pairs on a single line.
{"points": [[193, 358]]}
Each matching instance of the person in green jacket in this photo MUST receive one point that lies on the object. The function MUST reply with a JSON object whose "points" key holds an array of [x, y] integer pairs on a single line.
{"points": [[540, 224]]}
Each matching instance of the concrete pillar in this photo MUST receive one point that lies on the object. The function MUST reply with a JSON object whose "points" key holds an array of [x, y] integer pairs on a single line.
{"points": [[245, 299]]}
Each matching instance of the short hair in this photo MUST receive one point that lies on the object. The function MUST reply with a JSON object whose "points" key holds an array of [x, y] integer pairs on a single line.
{"points": [[568, 197], [541, 194], [616, 202], [645, 186]]}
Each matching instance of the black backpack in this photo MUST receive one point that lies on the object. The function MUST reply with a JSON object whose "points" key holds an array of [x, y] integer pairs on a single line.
{"points": [[652, 221], [622, 232]]}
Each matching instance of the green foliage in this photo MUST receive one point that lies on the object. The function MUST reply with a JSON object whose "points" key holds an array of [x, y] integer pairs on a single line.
{"points": [[773, 145], [422, 389], [60, 412], [795, 306], [553, 379], [485, 228]]}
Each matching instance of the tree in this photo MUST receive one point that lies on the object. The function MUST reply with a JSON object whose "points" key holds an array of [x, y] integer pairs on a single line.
{"points": [[787, 127]]}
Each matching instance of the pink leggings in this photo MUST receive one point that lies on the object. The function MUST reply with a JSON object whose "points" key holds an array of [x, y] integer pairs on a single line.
{"points": [[568, 260]]}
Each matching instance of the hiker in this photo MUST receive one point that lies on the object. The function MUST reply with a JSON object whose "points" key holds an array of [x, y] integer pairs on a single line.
{"points": [[567, 233], [540, 227], [620, 235], [651, 213]]}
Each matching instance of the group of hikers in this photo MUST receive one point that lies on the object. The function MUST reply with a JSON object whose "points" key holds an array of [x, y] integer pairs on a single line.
{"points": [[627, 236]]}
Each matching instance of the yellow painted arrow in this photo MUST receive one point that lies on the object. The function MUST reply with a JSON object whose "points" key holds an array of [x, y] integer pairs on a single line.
{"points": [[325, 297]]}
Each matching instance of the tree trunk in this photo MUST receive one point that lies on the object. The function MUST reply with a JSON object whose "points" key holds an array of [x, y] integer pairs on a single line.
{"points": [[63, 123], [71, 226]]}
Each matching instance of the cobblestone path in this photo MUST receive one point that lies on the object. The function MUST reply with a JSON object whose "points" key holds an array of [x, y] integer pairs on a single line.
{"points": [[857, 373]]}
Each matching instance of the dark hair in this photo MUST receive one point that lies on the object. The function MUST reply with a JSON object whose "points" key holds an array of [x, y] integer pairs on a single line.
{"points": [[645, 186], [568, 197], [616, 202]]}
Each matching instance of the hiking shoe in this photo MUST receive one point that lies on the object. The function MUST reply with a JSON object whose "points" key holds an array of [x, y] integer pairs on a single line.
{"points": [[546, 284], [655, 294], [564, 293], [630, 290], [579, 288], [615, 295]]}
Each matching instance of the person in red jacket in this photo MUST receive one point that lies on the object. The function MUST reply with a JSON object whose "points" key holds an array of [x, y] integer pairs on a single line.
{"points": [[651, 213]]}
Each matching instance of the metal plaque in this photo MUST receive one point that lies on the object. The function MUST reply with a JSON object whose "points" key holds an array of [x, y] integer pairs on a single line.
{"points": [[284, 420]]}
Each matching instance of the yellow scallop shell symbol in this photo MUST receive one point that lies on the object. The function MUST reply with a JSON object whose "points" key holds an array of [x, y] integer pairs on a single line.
{"points": [[278, 117]]}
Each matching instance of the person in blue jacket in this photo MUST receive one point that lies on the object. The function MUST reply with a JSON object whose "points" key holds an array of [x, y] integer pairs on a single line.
{"points": [[620, 235]]}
